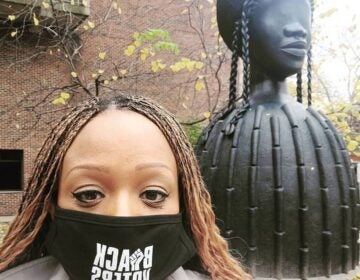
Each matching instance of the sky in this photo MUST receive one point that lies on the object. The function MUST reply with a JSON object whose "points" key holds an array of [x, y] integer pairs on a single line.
{"points": [[332, 31]]}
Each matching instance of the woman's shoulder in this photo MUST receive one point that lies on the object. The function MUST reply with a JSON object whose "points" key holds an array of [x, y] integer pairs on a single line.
{"points": [[40, 269], [49, 268], [182, 274]]}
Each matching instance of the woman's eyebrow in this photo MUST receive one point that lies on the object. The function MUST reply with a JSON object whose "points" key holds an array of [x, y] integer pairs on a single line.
{"points": [[97, 167], [152, 165]]}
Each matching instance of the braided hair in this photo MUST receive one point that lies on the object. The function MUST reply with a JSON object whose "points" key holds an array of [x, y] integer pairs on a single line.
{"points": [[26, 236], [241, 32], [299, 93]]}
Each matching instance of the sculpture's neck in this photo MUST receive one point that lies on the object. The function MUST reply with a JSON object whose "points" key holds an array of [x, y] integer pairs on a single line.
{"points": [[265, 89]]}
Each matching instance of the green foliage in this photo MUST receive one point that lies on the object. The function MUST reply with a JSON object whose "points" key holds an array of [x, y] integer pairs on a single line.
{"points": [[166, 46], [193, 132], [152, 35], [346, 118]]}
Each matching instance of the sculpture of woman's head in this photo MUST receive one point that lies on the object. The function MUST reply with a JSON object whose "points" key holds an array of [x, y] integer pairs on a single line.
{"points": [[273, 36]]}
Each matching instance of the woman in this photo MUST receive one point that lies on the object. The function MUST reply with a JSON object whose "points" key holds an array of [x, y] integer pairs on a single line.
{"points": [[116, 193]]}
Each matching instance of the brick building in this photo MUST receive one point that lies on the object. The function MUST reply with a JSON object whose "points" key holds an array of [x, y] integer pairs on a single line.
{"points": [[34, 69]]}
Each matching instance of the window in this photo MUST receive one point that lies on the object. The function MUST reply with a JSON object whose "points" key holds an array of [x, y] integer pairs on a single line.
{"points": [[11, 170]]}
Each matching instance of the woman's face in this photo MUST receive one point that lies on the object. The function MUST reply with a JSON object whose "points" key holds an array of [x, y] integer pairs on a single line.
{"points": [[120, 164], [280, 36]]}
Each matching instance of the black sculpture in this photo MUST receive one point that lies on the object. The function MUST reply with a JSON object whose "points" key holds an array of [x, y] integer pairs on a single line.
{"points": [[278, 171]]}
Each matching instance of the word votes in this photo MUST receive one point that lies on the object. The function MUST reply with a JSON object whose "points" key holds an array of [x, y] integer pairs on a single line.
{"points": [[112, 264]]}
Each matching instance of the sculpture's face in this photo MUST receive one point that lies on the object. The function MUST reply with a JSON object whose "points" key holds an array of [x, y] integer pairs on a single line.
{"points": [[280, 36]]}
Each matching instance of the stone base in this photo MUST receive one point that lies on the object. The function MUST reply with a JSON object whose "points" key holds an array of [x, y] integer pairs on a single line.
{"points": [[350, 276]]}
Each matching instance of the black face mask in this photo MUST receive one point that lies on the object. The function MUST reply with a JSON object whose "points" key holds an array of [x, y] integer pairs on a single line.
{"points": [[92, 247]]}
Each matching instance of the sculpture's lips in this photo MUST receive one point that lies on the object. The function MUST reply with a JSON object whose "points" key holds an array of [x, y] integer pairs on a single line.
{"points": [[296, 48]]}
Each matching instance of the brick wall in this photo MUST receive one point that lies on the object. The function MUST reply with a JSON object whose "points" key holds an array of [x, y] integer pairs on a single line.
{"points": [[9, 202], [24, 76]]}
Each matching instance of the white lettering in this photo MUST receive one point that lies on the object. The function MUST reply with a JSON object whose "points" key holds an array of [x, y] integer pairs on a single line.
{"points": [[112, 264], [107, 275], [127, 275], [148, 254], [117, 275], [124, 263], [146, 274], [96, 273], [137, 275], [100, 255]]}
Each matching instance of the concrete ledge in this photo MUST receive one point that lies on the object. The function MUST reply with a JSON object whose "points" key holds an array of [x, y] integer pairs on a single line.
{"points": [[6, 219], [350, 276]]}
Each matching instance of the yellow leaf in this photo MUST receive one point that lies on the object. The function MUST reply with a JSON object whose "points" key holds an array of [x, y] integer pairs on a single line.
{"points": [[137, 43], [65, 95], [11, 17], [102, 55], [203, 55], [129, 50], [119, 11], [106, 82], [115, 5], [94, 75], [100, 71], [136, 35], [114, 78], [207, 115], [154, 66], [190, 66], [328, 13], [176, 67], [352, 145], [58, 101], [36, 21], [86, 27], [45, 5], [144, 54], [199, 65], [199, 86], [123, 71], [91, 24], [13, 34], [74, 74]]}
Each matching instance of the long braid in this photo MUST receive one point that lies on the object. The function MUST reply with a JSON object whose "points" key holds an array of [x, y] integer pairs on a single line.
{"points": [[234, 65], [299, 95], [245, 49], [21, 244], [309, 61]]}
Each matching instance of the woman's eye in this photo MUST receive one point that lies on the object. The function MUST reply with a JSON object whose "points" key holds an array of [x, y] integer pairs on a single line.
{"points": [[153, 197], [88, 196]]}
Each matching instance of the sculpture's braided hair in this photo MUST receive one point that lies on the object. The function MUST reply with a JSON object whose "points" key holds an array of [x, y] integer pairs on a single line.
{"points": [[26, 236], [245, 36], [309, 61], [299, 96], [234, 65], [309, 71], [241, 32]]}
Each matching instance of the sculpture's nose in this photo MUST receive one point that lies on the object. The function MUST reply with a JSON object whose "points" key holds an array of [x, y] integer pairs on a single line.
{"points": [[295, 30]]}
